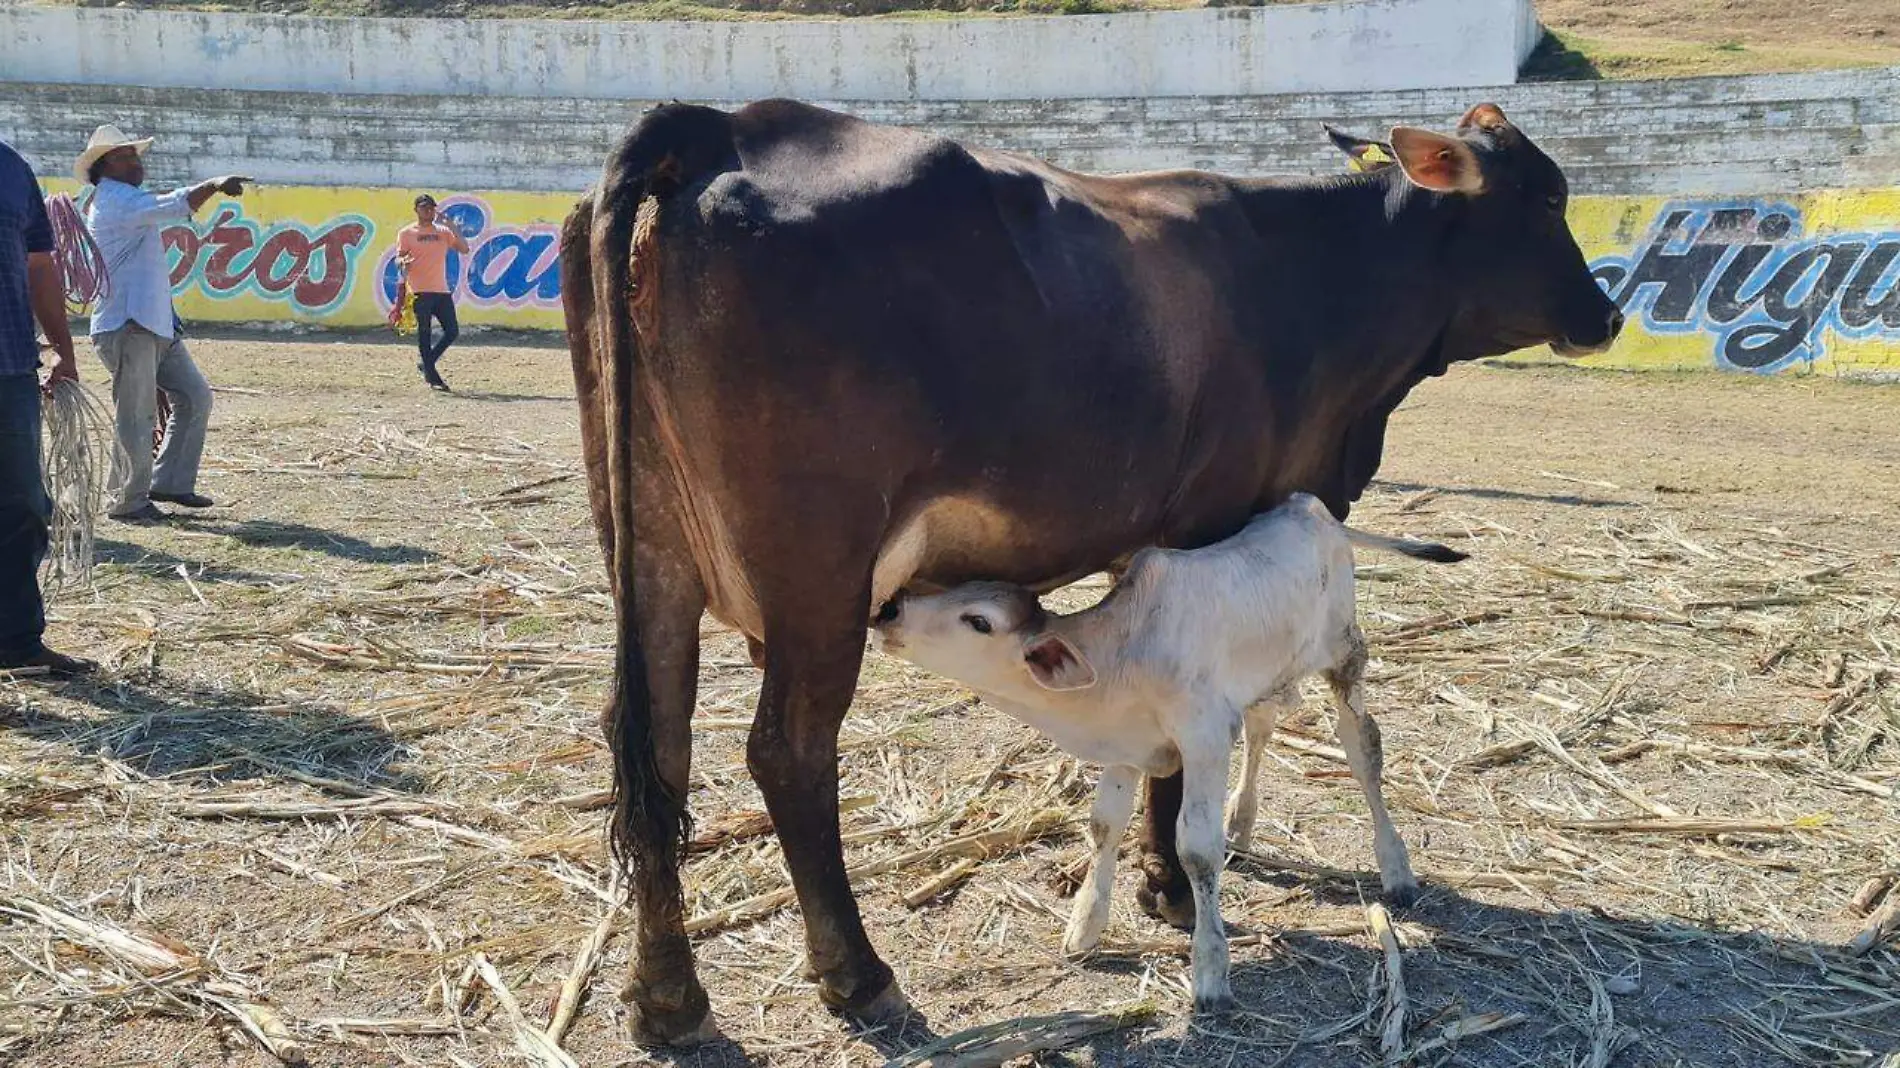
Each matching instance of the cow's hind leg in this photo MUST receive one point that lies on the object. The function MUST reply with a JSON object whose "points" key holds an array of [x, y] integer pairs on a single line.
{"points": [[1165, 892], [667, 1001], [1359, 737], [813, 650]]}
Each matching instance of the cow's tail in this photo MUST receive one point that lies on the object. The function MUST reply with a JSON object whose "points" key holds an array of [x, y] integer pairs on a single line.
{"points": [[610, 264], [1417, 550]]}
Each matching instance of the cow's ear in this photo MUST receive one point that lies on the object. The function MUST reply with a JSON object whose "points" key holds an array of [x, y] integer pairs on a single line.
{"points": [[1437, 162], [1365, 155], [1487, 117], [1057, 665]]}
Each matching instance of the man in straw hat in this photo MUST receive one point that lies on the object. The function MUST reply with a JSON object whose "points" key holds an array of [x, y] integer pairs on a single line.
{"points": [[136, 330], [30, 288]]}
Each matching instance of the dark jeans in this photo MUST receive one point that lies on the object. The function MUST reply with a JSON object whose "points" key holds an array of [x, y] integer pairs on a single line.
{"points": [[434, 306], [24, 511]]}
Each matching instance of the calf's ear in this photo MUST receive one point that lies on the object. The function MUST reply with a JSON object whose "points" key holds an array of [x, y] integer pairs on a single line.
{"points": [[1437, 162], [1057, 665]]}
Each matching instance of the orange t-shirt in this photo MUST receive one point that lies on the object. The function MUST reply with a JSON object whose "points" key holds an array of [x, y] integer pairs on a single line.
{"points": [[428, 252]]}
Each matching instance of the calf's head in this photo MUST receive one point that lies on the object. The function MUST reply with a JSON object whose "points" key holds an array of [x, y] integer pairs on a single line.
{"points": [[1509, 254], [990, 636]]}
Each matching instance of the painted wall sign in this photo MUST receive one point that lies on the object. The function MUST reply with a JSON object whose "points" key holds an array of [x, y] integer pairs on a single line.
{"points": [[1760, 284], [1799, 283]]}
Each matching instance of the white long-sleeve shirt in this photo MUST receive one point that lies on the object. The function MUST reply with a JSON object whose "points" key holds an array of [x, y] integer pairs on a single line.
{"points": [[126, 222]]}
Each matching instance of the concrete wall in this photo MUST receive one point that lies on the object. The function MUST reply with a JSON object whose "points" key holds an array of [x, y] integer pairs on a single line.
{"points": [[1780, 282], [1281, 48], [1756, 134]]}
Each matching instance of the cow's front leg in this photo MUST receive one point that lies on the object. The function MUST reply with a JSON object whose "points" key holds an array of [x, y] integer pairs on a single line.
{"points": [[1108, 821], [1204, 757], [812, 659]]}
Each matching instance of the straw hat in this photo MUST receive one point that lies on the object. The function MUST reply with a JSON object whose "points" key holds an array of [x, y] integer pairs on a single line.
{"points": [[105, 139]]}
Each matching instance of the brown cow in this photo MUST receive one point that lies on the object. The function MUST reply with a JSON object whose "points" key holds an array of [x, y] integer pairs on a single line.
{"points": [[820, 360]]}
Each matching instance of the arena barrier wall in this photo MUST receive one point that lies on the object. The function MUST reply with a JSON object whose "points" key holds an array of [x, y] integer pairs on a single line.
{"points": [[1807, 282]]}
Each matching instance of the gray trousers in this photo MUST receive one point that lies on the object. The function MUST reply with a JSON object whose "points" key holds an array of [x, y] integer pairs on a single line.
{"points": [[141, 364]]}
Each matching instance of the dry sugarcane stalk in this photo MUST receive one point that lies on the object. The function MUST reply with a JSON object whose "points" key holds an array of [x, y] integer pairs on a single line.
{"points": [[1880, 927], [1871, 892], [364, 1026], [997, 1043], [979, 844], [1486, 879], [1465, 1027], [1392, 1021], [294, 810], [568, 1003], [261, 1022], [933, 887], [533, 1042], [1687, 826], [148, 955]]}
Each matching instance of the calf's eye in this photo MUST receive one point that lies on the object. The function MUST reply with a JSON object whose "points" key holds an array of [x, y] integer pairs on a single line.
{"points": [[977, 623]]}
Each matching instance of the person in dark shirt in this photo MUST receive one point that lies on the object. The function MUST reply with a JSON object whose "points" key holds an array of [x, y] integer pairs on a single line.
{"points": [[30, 288]]}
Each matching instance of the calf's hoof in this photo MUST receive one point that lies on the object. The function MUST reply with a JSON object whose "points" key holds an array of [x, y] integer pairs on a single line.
{"points": [[1404, 895], [1171, 910], [1214, 1003], [670, 1014], [1075, 947]]}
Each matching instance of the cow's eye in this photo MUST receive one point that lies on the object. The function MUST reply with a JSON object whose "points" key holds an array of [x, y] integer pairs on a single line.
{"points": [[1556, 203], [977, 623]]}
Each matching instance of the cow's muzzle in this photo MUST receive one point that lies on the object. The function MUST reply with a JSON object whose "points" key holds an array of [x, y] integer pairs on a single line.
{"points": [[1571, 347]]}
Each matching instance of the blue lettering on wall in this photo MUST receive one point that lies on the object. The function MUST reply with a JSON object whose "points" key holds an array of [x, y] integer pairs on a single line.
{"points": [[1746, 272], [506, 266]]}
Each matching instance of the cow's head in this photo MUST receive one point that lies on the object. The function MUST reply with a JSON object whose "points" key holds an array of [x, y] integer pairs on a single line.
{"points": [[1521, 278]]}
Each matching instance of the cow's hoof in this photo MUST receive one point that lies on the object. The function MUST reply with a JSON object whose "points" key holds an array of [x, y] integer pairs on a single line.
{"points": [[672, 1014], [885, 1006], [1404, 895], [1173, 911]]}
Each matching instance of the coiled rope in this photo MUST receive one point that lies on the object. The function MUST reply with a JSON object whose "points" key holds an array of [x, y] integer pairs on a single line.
{"points": [[82, 268], [78, 448]]}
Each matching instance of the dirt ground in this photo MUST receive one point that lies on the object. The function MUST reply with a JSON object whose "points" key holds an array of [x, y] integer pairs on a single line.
{"points": [[344, 761]]}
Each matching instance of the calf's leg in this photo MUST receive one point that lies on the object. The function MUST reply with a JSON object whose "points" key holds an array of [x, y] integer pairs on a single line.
{"points": [[1359, 736], [1244, 806], [1108, 821], [1204, 772]]}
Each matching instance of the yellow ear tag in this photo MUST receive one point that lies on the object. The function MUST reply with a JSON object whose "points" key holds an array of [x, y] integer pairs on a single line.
{"points": [[1370, 155]]}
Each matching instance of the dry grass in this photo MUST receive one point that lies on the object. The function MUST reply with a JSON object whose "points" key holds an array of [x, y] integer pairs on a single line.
{"points": [[337, 799]]}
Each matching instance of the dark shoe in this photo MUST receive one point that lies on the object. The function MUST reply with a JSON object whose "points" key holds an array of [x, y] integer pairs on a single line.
{"points": [[58, 665], [189, 500], [144, 517], [440, 386]]}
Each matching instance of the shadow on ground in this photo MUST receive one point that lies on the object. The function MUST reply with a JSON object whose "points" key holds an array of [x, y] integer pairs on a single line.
{"points": [[1568, 987], [1488, 494], [216, 735], [278, 534]]}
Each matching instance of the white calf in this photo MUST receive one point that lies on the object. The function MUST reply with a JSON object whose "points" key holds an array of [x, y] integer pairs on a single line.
{"points": [[1161, 676]]}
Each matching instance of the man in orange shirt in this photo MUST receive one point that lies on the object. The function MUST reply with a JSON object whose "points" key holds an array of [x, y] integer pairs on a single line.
{"points": [[423, 251]]}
